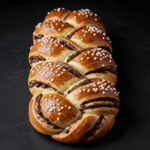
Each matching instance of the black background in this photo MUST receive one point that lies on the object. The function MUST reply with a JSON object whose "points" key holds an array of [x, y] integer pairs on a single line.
{"points": [[127, 25]]}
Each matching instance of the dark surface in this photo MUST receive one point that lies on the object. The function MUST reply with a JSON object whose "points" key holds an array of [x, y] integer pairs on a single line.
{"points": [[129, 29]]}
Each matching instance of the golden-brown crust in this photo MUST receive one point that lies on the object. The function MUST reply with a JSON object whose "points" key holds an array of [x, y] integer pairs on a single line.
{"points": [[106, 126], [52, 74], [53, 27], [96, 90], [92, 60], [59, 110], [84, 17], [36, 123], [108, 76], [59, 13], [77, 130], [50, 49], [91, 36], [73, 77], [102, 110]]}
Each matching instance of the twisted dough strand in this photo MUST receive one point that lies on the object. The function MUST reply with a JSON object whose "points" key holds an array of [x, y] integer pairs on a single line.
{"points": [[72, 77]]}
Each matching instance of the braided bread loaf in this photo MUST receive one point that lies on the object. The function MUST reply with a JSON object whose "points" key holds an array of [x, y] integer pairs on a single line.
{"points": [[72, 77]]}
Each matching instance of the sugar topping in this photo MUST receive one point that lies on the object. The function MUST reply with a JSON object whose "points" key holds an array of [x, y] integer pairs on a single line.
{"points": [[94, 31], [54, 104], [99, 86], [38, 25], [59, 9], [54, 23], [49, 44], [31, 47], [48, 70], [87, 13], [97, 54]]}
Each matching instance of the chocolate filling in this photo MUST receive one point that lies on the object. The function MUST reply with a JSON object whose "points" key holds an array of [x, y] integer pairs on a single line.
{"points": [[34, 59], [66, 130], [108, 99], [42, 85], [66, 44], [97, 126], [72, 33], [79, 85], [37, 84], [39, 36], [39, 113], [66, 16], [103, 70], [75, 54], [71, 70]]}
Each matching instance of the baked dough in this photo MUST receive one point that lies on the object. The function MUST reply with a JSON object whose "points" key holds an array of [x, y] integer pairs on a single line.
{"points": [[73, 77]]}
